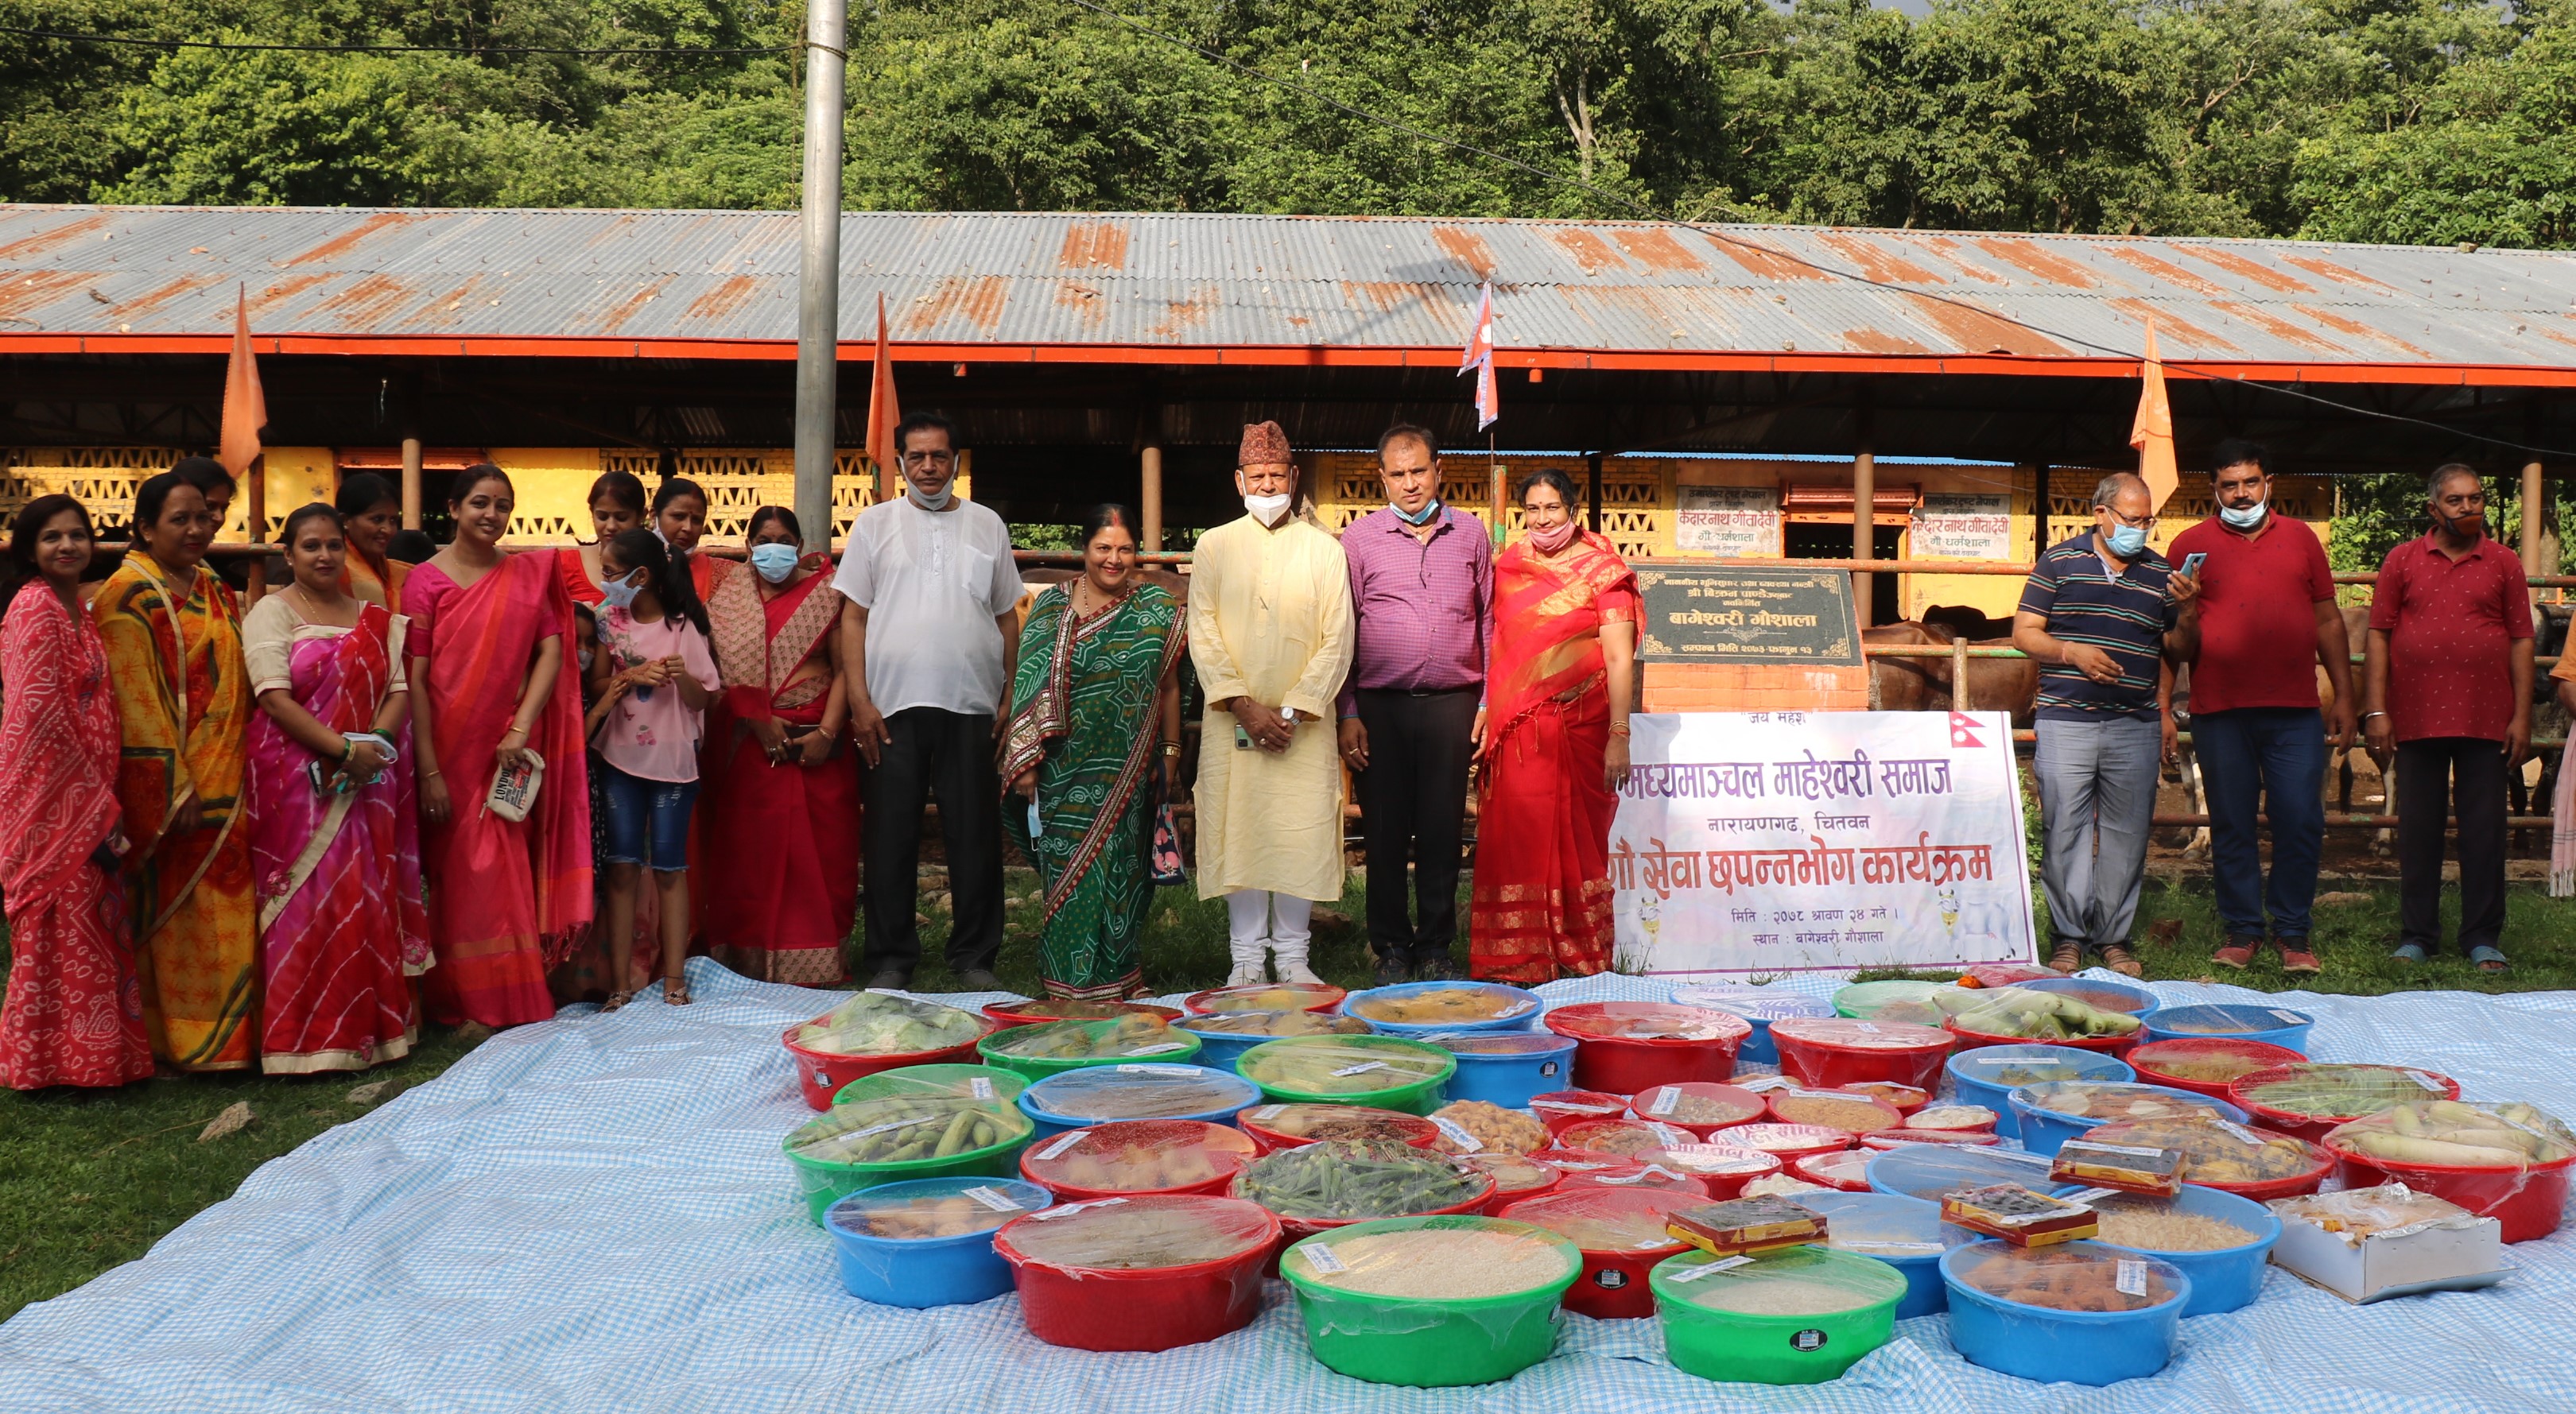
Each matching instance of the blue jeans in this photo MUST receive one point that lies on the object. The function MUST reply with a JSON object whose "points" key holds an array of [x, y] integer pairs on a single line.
{"points": [[647, 821], [2097, 793], [2275, 756]]}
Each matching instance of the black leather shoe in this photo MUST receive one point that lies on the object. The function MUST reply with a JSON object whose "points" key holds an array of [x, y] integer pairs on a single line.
{"points": [[1434, 968], [891, 980], [976, 979], [1392, 970]]}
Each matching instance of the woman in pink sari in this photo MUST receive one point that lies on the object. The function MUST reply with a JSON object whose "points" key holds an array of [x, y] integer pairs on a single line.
{"points": [[74, 1014], [492, 684], [334, 849], [1558, 687]]}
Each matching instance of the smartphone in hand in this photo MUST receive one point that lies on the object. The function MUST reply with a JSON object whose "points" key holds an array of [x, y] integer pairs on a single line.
{"points": [[2191, 563]]}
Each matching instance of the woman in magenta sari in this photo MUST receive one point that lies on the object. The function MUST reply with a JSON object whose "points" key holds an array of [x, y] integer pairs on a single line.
{"points": [[1558, 687], [492, 684], [334, 849], [74, 1014]]}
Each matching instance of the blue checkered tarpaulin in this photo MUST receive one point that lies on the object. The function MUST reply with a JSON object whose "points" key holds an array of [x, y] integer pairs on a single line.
{"points": [[592, 1214]]}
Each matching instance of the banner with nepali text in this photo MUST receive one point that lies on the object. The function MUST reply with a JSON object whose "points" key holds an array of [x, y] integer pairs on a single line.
{"points": [[1762, 842]]}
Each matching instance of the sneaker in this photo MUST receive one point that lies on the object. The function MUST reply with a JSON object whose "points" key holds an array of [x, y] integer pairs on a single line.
{"points": [[979, 979], [2295, 956], [2239, 952], [1393, 969], [1435, 967]]}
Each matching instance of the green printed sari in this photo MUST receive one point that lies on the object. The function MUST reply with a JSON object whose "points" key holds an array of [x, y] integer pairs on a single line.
{"points": [[1083, 712]]}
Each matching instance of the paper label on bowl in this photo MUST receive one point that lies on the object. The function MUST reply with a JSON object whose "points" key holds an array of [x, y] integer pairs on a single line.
{"points": [[1321, 1258], [2086, 1196], [2096, 1146], [1457, 1133], [1722, 1264], [1069, 1209], [1649, 1174], [1765, 1084], [1665, 1100], [1570, 1107], [2431, 1085], [1577, 1165], [1161, 1048], [1896, 1247], [1182, 1071], [1265, 1112], [2232, 1127], [1362, 1067], [2022, 1156], [1070, 1138], [1866, 1028], [993, 1198], [2132, 1278], [2289, 1018], [982, 1087], [1673, 1138]]}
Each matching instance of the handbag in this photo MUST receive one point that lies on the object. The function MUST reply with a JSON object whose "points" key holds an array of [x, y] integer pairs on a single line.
{"points": [[514, 788], [1165, 856]]}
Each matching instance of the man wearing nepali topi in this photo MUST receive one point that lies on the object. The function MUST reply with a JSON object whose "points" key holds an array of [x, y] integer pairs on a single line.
{"points": [[1270, 635]]}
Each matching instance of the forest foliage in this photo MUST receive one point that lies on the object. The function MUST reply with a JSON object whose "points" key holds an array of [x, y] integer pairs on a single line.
{"points": [[2372, 120]]}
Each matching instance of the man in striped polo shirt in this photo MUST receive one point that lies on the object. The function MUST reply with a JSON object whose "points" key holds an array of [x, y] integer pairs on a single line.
{"points": [[2101, 614]]}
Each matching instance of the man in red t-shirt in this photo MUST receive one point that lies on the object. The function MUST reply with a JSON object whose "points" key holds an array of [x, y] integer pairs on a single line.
{"points": [[2267, 621], [2447, 685]]}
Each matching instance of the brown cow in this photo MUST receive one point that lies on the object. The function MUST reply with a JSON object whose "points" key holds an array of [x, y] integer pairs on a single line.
{"points": [[1923, 684]]}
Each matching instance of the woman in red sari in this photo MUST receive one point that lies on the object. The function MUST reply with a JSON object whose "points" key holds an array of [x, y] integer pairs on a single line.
{"points": [[74, 1013], [680, 518], [780, 799], [1559, 684], [334, 844], [492, 683]]}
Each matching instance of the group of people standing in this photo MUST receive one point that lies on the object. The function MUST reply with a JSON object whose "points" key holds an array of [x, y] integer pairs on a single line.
{"points": [[2241, 611]]}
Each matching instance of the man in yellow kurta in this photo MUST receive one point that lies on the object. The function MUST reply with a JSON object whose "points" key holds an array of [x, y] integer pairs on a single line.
{"points": [[1270, 634]]}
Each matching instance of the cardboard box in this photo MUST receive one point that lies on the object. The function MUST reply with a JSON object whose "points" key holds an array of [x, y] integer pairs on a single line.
{"points": [[2368, 1244]]}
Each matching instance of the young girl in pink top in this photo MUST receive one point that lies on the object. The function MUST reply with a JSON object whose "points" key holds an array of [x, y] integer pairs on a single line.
{"points": [[654, 675]]}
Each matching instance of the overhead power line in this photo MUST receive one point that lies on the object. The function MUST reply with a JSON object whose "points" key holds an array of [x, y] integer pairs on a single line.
{"points": [[249, 47]]}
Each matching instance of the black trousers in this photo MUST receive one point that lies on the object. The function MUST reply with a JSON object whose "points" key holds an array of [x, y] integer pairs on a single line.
{"points": [[1413, 803], [948, 755], [2432, 774]]}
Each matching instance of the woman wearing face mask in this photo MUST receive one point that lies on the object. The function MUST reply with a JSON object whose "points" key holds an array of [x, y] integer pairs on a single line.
{"points": [[491, 686], [680, 519], [654, 676], [334, 842], [779, 801], [74, 1013], [174, 657], [1559, 685], [1095, 724], [372, 513]]}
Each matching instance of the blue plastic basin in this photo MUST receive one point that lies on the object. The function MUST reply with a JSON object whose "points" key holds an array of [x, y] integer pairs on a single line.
{"points": [[1927, 1171], [1506, 1068], [1759, 1005], [1053, 1102], [2130, 998], [2039, 1343], [2224, 1278], [2272, 1025], [1522, 1005], [1967, 1067], [1881, 1226], [2043, 1130], [926, 1271]]}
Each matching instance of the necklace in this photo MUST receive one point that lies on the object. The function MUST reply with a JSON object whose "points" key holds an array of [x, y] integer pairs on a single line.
{"points": [[1099, 601]]}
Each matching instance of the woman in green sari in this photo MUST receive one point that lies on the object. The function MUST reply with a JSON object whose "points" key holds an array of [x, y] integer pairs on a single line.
{"points": [[1095, 726]]}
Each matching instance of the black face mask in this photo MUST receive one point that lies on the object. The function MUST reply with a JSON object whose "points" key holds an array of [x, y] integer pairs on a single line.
{"points": [[2468, 527]]}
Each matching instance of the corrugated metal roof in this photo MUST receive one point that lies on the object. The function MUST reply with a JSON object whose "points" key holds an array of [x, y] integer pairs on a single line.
{"points": [[1228, 281]]}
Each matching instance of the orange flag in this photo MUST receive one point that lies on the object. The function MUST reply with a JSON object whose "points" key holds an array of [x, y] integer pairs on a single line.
{"points": [[2152, 433], [245, 407], [883, 414]]}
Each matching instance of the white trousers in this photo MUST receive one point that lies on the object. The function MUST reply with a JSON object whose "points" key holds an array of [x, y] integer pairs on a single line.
{"points": [[1258, 918]]}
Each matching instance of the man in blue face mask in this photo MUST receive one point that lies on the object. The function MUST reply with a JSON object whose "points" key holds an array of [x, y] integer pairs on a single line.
{"points": [[2268, 622], [2101, 614]]}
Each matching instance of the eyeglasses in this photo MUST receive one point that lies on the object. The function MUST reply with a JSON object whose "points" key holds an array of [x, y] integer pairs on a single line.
{"points": [[2140, 522]]}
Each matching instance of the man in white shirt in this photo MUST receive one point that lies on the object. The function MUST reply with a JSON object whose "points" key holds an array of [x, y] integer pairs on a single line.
{"points": [[927, 643]]}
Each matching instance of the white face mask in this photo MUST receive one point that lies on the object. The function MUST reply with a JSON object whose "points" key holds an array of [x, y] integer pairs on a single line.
{"points": [[947, 493], [1266, 509]]}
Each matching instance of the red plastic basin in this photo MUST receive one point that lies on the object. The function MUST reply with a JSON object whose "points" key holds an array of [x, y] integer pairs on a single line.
{"points": [[1558, 1109], [1613, 1285], [1665, 1104], [1413, 1129], [2107, 1045], [1625, 1065], [2145, 1060], [2528, 1202], [1786, 1142], [1105, 1308], [821, 1074], [1825, 1052], [2312, 1127], [1722, 1168]]}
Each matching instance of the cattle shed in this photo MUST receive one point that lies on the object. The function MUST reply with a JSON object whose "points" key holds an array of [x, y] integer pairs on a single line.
{"points": [[1715, 390]]}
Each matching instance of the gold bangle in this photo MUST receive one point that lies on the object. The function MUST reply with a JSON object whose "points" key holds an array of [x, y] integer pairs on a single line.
{"points": [[1619, 729], [1171, 748]]}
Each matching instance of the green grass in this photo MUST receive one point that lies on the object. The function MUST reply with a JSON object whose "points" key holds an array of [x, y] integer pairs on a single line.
{"points": [[89, 1180]]}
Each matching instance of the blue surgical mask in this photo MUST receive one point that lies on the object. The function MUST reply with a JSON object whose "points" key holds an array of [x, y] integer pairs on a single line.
{"points": [[774, 561], [2245, 519], [1430, 508], [619, 594], [2127, 540]]}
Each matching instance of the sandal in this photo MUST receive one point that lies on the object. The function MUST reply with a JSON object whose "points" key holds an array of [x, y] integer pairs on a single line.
{"points": [[675, 991], [2067, 958], [2408, 952], [615, 1000], [2119, 959], [2488, 959]]}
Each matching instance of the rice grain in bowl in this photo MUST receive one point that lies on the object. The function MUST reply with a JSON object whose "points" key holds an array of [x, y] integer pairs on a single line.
{"points": [[1431, 1301]]}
